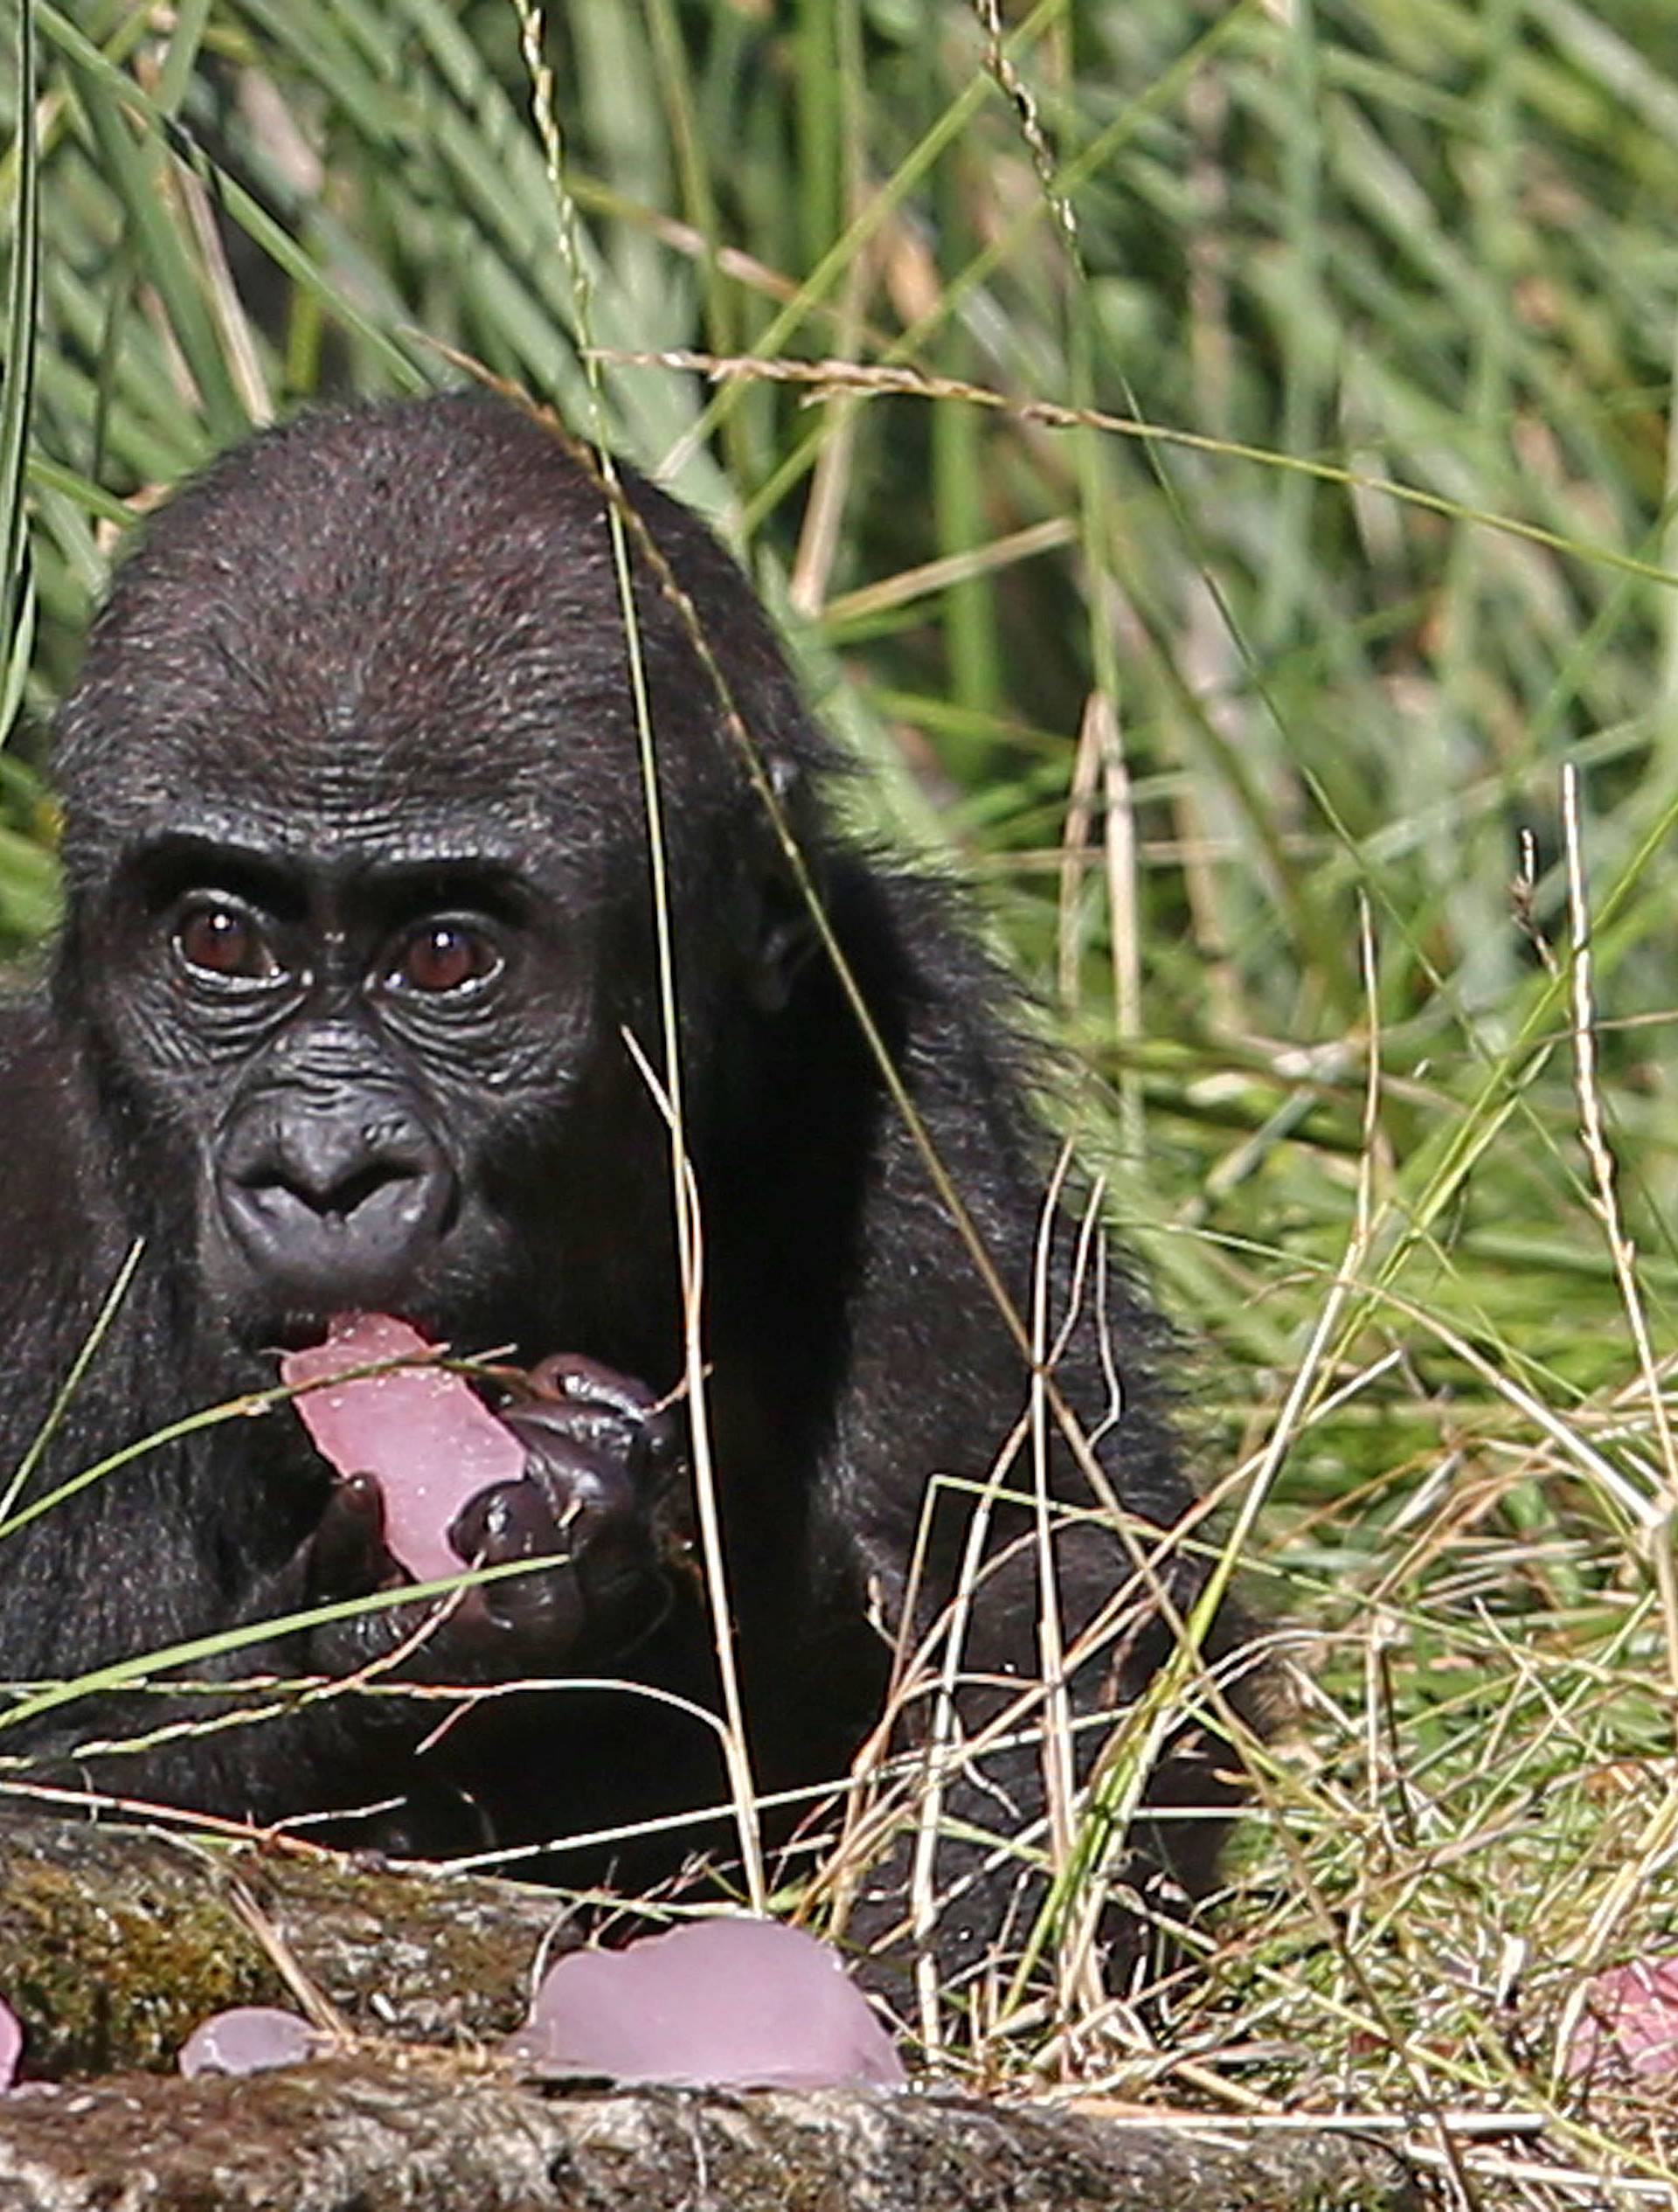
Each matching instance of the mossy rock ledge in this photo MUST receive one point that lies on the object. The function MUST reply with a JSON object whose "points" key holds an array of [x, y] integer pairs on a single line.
{"points": [[115, 1942]]}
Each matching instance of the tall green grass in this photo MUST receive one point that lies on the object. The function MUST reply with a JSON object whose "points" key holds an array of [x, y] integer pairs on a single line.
{"points": [[1247, 481]]}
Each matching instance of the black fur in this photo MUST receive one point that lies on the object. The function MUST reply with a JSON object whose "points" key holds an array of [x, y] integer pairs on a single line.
{"points": [[398, 628]]}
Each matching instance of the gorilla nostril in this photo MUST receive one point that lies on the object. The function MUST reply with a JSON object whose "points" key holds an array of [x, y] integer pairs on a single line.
{"points": [[330, 1161], [331, 1197], [353, 1191]]}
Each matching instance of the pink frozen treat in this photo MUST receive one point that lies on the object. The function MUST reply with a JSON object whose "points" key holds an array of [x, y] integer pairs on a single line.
{"points": [[731, 2003], [429, 1439], [248, 2040]]}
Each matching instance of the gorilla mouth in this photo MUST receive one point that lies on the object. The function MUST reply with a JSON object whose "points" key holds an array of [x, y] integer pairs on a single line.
{"points": [[300, 1328], [297, 1328], [285, 1269]]}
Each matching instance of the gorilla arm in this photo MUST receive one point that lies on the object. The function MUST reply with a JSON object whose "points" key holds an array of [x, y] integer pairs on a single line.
{"points": [[1040, 1578]]}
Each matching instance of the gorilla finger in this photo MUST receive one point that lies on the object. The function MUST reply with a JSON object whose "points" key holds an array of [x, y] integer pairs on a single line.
{"points": [[347, 1555], [508, 1521], [569, 1374], [598, 1402], [346, 1646], [556, 1435], [542, 1614], [589, 1492], [564, 1422]]}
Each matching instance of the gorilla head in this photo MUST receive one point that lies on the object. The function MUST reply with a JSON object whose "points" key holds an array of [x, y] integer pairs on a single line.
{"points": [[358, 856]]}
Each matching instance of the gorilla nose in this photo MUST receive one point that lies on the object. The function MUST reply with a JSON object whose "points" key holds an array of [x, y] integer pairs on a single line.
{"points": [[335, 1172], [331, 1203]]}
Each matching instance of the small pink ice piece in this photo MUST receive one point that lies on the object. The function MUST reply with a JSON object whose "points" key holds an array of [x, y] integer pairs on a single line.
{"points": [[248, 2040], [428, 1439], [1630, 2020]]}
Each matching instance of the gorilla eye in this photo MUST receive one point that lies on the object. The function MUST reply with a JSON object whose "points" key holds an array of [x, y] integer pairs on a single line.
{"points": [[443, 956], [220, 940]]}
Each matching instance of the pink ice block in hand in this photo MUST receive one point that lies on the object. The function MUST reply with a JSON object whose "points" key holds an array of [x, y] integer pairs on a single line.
{"points": [[426, 1436]]}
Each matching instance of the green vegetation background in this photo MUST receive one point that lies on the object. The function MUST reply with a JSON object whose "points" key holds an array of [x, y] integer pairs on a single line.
{"points": [[1243, 500]]}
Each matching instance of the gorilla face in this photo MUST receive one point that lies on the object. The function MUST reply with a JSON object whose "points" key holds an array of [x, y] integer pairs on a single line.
{"points": [[335, 1046]]}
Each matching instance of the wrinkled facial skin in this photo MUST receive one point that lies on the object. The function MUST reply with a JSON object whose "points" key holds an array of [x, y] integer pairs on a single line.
{"points": [[346, 1043]]}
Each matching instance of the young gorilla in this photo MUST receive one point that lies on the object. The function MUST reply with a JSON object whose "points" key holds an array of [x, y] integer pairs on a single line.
{"points": [[360, 922]]}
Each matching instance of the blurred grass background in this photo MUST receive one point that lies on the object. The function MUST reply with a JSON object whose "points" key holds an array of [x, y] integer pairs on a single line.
{"points": [[1244, 488]]}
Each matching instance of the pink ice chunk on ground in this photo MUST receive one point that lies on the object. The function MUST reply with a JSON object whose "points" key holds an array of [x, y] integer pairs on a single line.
{"points": [[430, 1441], [717, 2004], [1630, 2020], [12, 2044], [248, 2040]]}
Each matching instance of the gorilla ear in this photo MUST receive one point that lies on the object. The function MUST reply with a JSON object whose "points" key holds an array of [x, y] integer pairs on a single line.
{"points": [[785, 942], [782, 931]]}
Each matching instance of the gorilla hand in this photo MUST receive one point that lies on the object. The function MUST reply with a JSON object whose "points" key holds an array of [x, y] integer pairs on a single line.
{"points": [[603, 1470], [603, 1463]]}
